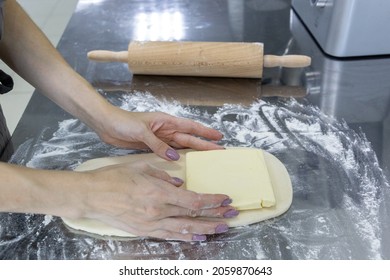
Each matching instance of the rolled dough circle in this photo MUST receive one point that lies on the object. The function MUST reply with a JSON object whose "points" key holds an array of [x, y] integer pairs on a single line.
{"points": [[278, 173]]}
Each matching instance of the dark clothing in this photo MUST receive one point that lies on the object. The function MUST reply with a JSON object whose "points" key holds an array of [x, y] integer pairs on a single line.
{"points": [[1, 17], [6, 84], [6, 148]]}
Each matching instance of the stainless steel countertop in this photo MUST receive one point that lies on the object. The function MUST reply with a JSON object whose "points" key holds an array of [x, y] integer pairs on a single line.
{"points": [[328, 123]]}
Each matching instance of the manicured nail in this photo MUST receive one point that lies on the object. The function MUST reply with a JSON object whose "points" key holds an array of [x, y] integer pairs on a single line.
{"points": [[198, 237], [178, 180], [231, 213], [172, 154], [221, 228], [226, 202]]}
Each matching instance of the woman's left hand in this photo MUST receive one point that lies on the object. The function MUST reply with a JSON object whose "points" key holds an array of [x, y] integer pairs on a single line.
{"points": [[159, 132]]}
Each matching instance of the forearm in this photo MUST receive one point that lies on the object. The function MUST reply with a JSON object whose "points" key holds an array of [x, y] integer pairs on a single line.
{"points": [[25, 190], [27, 50]]}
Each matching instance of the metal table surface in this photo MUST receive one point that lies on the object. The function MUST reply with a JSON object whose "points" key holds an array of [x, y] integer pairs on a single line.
{"points": [[328, 123]]}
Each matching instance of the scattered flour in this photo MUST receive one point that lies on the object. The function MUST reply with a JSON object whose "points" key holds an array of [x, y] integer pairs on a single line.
{"points": [[335, 174]]}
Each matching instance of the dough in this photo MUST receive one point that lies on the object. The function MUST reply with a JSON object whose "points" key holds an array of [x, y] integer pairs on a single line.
{"points": [[239, 173], [280, 180]]}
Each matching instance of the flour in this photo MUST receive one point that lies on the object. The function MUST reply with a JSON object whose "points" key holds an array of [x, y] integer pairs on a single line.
{"points": [[48, 219], [69, 145], [338, 185]]}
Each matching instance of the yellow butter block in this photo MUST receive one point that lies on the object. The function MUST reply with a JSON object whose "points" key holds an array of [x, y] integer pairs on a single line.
{"points": [[239, 173]]}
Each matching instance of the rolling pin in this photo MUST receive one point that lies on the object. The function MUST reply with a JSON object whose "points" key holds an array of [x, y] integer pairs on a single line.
{"points": [[207, 59]]}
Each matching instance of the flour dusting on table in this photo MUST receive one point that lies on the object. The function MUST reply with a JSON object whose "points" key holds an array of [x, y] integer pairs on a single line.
{"points": [[337, 205]]}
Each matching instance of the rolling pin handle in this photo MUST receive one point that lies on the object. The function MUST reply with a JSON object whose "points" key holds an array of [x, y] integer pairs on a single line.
{"points": [[108, 56], [289, 61]]}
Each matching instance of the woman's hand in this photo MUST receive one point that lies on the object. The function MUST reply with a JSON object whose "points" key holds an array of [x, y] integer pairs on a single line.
{"points": [[146, 201], [156, 131], [138, 199]]}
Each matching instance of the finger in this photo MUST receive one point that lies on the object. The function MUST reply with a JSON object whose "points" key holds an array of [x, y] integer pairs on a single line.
{"points": [[187, 140], [192, 226], [159, 147], [173, 202], [195, 128], [174, 228], [162, 175], [157, 173], [192, 200], [219, 212]]}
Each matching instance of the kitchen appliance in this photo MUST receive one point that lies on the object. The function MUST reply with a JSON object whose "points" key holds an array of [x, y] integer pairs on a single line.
{"points": [[347, 28]]}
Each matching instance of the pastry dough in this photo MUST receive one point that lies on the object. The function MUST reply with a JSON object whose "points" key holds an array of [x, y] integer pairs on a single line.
{"points": [[239, 173], [278, 174]]}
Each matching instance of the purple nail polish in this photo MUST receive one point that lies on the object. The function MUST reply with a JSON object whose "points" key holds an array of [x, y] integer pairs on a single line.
{"points": [[226, 202], [221, 228], [172, 154], [231, 213], [198, 237], [178, 180]]}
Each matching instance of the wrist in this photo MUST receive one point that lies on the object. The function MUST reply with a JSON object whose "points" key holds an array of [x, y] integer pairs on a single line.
{"points": [[26, 190]]}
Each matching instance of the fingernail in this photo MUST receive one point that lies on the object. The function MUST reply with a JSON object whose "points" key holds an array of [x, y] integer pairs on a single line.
{"points": [[178, 180], [221, 228], [198, 237], [231, 213], [226, 202], [172, 154]]}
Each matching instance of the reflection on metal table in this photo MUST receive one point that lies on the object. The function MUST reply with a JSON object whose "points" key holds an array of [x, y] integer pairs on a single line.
{"points": [[328, 123]]}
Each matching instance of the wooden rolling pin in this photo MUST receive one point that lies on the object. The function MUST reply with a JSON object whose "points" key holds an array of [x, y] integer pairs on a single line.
{"points": [[208, 59]]}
